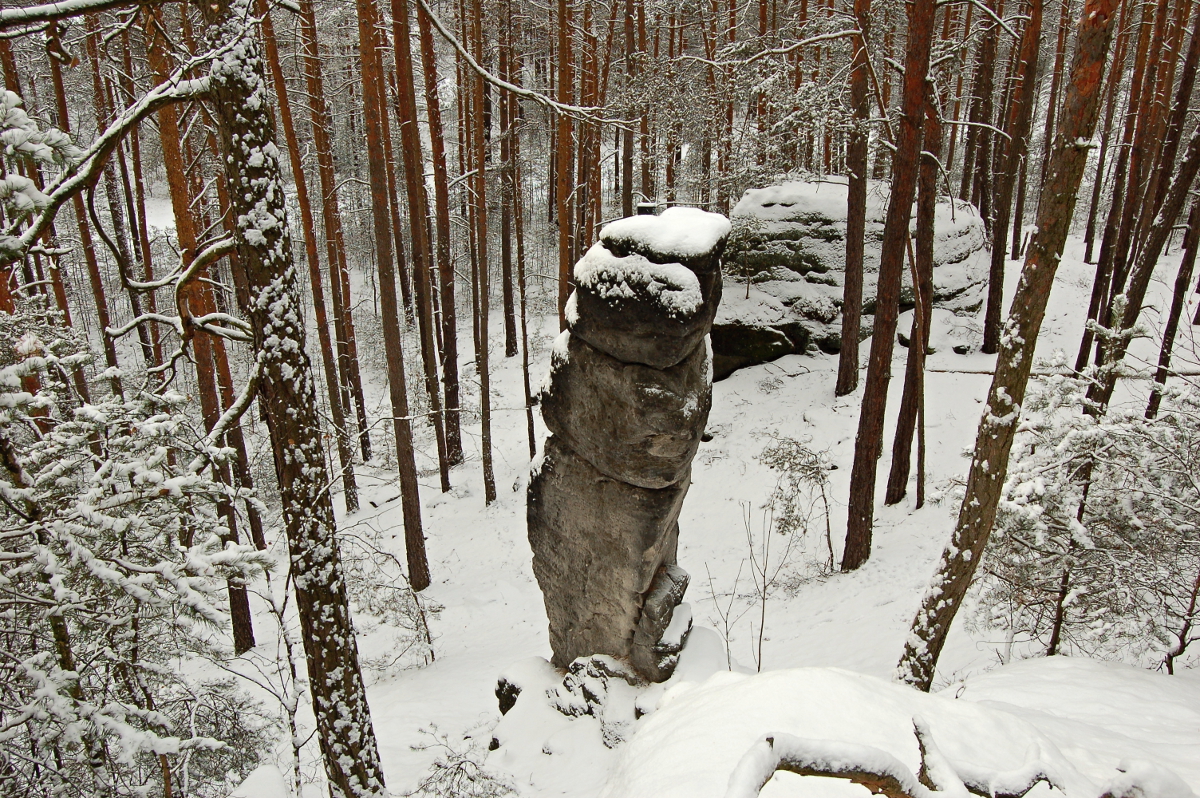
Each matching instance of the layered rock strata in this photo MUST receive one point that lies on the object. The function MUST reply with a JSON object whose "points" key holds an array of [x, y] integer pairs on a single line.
{"points": [[626, 401]]}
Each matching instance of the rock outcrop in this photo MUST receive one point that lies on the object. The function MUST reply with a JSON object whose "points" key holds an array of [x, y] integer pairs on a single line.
{"points": [[626, 402], [785, 268]]}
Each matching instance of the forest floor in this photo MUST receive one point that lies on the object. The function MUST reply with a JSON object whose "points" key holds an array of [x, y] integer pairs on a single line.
{"points": [[491, 613]]}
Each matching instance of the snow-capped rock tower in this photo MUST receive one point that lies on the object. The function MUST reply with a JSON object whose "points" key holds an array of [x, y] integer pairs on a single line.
{"points": [[626, 402]]}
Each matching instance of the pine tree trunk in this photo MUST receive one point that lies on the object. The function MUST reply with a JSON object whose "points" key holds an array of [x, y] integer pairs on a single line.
{"points": [[1182, 179], [1164, 131], [958, 89], [1110, 101], [393, 194], [480, 199], [418, 217], [507, 132], [1141, 103], [564, 146], [287, 392], [1018, 213], [119, 240], [644, 135], [196, 302], [445, 264], [373, 121], [1108, 244], [856, 208], [918, 343], [993, 444], [1170, 138], [869, 441], [1183, 281], [349, 378], [982, 184], [1060, 55], [103, 318], [309, 228], [519, 233], [1009, 159], [627, 133]]}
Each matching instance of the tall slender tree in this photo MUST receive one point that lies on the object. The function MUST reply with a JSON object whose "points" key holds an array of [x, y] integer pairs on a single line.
{"points": [[373, 118], [445, 264], [1011, 149], [856, 208], [869, 441], [308, 223], [418, 218], [479, 202], [909, 419], [993, 443], [287, 391]]}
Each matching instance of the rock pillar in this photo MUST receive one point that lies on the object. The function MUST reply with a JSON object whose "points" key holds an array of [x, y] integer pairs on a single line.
{"points": [[626, 402]]}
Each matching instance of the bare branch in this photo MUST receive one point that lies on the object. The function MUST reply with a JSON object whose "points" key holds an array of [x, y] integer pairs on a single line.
{"points": [[983, 7], [124, 329], [824, 37], [578, 112]]}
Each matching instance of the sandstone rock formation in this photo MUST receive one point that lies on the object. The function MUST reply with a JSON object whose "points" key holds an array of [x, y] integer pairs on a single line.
{"points": [[785, 267], [626, 402]]}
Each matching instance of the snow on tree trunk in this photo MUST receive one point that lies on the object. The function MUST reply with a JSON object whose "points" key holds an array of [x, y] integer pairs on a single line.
{"points": [[287, 393], [993, 443]]}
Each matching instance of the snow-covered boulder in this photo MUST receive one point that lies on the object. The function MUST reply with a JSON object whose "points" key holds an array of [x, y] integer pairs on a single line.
{"points": [[785, 269], [265, 781], [1085, 726]]}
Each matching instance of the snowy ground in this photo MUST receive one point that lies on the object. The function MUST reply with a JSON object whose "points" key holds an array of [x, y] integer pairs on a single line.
{"points": [[493, 615]]}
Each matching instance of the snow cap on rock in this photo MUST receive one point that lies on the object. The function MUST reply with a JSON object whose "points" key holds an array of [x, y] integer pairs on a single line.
{"points": [[671, 286], [677, 233]]}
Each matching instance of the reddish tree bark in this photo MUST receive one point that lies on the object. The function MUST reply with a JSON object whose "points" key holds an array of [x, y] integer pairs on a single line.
{"points": [[869, 440], [856, 205], [445, 264], [286, 392], [480, 216], [196, 302], [993, 443], [1183, 281], [1011, 152], [912, 400], [373, 121], [418, 218], [86, 243], [309, 230], [563, 160], [349, 377]]}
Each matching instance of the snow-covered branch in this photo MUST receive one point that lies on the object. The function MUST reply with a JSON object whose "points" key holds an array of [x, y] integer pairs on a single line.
{"points": [[227, 420], [787, 49], [48, 12], [14, 243], [984, 8]]}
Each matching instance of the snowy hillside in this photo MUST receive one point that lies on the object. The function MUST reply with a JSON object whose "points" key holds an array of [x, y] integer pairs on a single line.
{"points": [[1083, 715]]}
